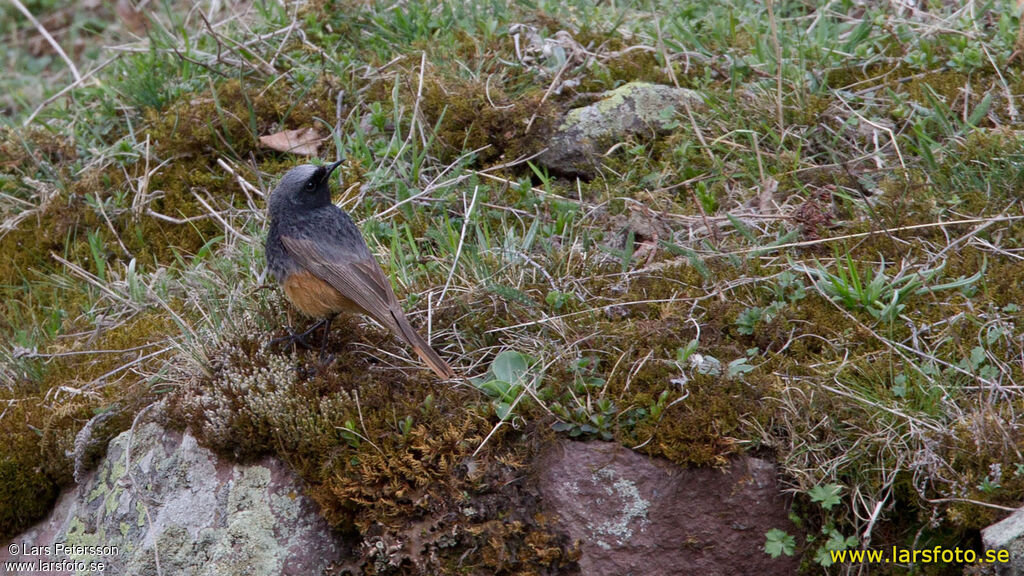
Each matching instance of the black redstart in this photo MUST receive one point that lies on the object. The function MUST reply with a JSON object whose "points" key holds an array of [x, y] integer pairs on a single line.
{"points": [[321, 260]]}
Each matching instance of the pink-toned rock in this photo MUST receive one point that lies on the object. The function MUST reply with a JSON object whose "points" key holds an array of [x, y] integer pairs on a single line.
{"points": [[633, 514]]}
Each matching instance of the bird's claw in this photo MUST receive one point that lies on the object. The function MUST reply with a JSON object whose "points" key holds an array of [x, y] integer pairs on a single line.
{"points": [[300, 339]]}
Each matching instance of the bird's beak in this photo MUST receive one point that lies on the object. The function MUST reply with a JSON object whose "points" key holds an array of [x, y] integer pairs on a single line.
{"points": [[330, 168]]}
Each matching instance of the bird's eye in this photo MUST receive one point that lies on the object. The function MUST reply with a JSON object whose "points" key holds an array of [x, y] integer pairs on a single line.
{"points": [[310, 185]]}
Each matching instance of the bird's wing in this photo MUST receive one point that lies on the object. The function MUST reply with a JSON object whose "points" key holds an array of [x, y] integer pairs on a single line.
{"points": [[359, 279]]}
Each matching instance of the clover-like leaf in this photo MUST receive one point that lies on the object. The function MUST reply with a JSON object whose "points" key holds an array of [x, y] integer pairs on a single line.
{"points": [[778, 542], [511, 366]]}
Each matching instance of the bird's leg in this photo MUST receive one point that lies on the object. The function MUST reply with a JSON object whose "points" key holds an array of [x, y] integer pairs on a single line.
{"points": [[301, 338], [327, 328]]}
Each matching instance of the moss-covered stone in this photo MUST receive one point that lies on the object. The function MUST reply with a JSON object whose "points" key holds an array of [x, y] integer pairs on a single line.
{"points": [[637, 109]]}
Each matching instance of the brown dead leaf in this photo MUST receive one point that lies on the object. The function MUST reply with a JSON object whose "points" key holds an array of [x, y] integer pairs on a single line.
{"points": [[304, 141]]}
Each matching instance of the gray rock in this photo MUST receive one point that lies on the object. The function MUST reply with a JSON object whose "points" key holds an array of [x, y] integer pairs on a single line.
{"points": [[635, 515], [161, 504], [1007, 534], [638, 109]]}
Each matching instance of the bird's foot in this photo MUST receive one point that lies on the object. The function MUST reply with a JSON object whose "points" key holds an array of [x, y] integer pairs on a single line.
{"points": [[300, 339], [291, 338]]}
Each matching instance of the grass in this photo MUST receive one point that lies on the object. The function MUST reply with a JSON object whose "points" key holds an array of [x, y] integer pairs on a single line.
{"points": [[820, 265]]}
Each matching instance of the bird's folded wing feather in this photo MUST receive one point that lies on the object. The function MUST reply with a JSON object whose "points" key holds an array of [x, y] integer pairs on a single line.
{"points": [[360, 279]]}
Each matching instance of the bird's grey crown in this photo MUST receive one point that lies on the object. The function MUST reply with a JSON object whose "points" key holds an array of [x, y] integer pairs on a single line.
{"points": [[291, 184]]}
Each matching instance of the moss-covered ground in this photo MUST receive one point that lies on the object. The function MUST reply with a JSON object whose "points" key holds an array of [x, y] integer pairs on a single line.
{"points": [[821, 265]]}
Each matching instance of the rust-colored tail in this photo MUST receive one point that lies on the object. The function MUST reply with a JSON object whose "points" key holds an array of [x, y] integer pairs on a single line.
{"points": [[405, 331]]}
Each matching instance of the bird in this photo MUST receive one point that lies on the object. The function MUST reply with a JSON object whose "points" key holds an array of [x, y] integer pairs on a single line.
{"points": [[319, 258]]}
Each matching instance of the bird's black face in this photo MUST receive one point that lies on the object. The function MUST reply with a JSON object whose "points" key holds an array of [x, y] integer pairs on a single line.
{"points": [[303, 188]]}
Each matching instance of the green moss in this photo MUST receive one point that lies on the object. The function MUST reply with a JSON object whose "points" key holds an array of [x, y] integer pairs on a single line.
{"points": [[31, 149], [33, 464], [28, 248], [947, 84], [632, 66], [26, 492], [863, 77], [192, 133], [471, 121], [703, 429], [811, 111], [230, 118]]}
